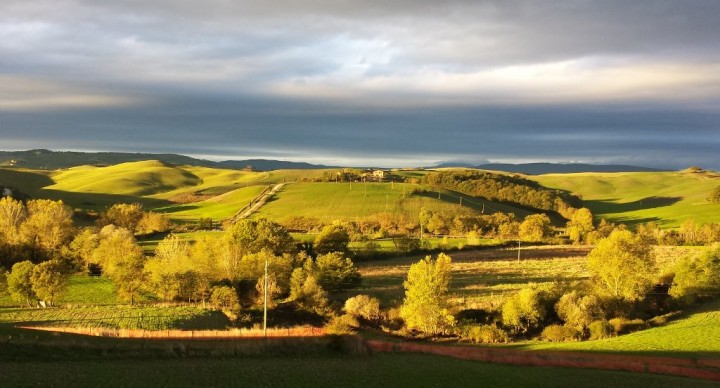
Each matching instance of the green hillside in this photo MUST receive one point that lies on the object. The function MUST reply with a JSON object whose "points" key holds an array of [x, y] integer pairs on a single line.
{"points": [[697, 333], [347, 201], [667, 198], [218, 208]]}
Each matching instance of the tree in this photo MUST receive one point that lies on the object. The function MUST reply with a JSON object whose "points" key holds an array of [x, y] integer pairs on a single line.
{"points": [[363, 306], [49, 280], [306, 293], [12, 215], [152, 222], [48, 225], [622, 266], [535, 227], [523, 310], [696, 276], [425, 305], [123, 215], [19, 282], [225, 298], [335, 273], [579, 311], [252, 236], [333, 238], [580, 225], [122, 259], [424, 219], [83, 246]]}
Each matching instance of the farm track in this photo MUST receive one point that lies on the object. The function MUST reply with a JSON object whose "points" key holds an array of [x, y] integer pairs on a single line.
{"points": [[257, 203]]}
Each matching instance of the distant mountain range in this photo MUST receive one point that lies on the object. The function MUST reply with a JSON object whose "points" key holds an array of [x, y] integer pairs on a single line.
{"points": [[51, 160], [551, 168]]}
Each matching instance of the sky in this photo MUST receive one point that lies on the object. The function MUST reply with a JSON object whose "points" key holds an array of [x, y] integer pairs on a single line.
{"points": [[373, 82]]}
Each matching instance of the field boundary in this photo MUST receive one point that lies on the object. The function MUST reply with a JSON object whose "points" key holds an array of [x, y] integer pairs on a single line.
{"points": [[706, 369], [257, 202], [305, 331]]}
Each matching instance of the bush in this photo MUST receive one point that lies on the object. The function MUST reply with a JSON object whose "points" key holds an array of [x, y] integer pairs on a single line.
{"points": [[558, 333], [600, 329], [485, 334], [624, 326], [363, 306], [342, 325], [225, 298]]}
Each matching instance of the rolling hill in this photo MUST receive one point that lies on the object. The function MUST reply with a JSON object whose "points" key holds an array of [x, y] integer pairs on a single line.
{"points": [[668, 198]]}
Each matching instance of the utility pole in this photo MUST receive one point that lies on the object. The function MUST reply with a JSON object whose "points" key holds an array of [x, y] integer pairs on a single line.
{"points": [[265, 299], [518, 251], [460, 201]]}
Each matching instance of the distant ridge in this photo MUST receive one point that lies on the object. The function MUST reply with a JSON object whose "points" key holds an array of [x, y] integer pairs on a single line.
{"points": [[51, 160], [562, 168]]}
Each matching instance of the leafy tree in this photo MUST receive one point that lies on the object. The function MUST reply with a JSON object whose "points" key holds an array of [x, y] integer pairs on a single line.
{"points": [[363, 306], [424, 218], [252, 236], [306, 293], [49, 280], [123, 215], [523, 310], [122, 259], [83, 246], [12, 215], [152, 222], [535, 227], [225, 298], [579, 311], [172, 259], [333, 238], [695, 276], [48, 225], [425, 305], [622, 266], [19, 282], [3, 281], [274, 291], [580, 225], [335, 273]]}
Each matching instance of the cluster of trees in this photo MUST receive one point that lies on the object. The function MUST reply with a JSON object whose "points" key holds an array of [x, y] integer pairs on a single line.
{"points": [[623, 285], [133, 218], [504, 188], [28, 282]]}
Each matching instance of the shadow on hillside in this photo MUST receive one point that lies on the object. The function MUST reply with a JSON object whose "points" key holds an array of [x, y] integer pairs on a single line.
{"points": [[98, 201], [641, 204]]}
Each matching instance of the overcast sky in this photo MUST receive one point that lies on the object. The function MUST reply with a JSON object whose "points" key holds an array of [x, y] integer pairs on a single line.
{"points": [[372, 82]]}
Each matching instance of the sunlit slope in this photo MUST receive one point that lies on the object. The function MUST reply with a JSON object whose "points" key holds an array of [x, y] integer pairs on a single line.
{"points": [[668, 198], [345, 201], [699, 332], [136, 178], [27, 181], [218, 208]]}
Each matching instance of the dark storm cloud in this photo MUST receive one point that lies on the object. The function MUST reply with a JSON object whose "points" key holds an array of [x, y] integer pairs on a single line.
{"points": [[373, 82]]}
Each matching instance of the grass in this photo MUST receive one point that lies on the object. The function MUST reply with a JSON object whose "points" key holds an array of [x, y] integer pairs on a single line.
{"points": [[697, 333], [480, 279], [82, 290], [668, 198], [117, 317], [218, 208], [411, 370], [351, 201]]}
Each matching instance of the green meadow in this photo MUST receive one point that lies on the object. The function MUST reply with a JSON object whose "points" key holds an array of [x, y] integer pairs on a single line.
{"points": [[668, 198]]}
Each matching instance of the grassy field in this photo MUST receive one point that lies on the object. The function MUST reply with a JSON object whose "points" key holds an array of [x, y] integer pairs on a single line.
{"points": [[117, 317], [349, 201], [392, 370], [668, 198], [218, 208], [82, 290], [695, 334], [480, 279]]}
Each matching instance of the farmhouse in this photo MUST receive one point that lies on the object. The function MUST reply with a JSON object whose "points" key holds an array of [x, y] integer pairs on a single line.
{"points": [[379, 174]]}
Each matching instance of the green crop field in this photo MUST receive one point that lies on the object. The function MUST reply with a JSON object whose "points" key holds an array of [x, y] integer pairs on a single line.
{"points": [[667, 198], [695, 334], [349, 201], [82, 290], [480, 279], [391, 370]]}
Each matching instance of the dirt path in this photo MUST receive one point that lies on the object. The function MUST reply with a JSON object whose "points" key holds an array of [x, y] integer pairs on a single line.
{"points": [[257, 203]]}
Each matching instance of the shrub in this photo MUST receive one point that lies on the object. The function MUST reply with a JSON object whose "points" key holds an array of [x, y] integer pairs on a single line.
{"points": [[624, 326], [342, 325], [524, 310], [577, 311], [600, 329], [363, 306], [486, 334], [225, 298], [559, 333]]}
